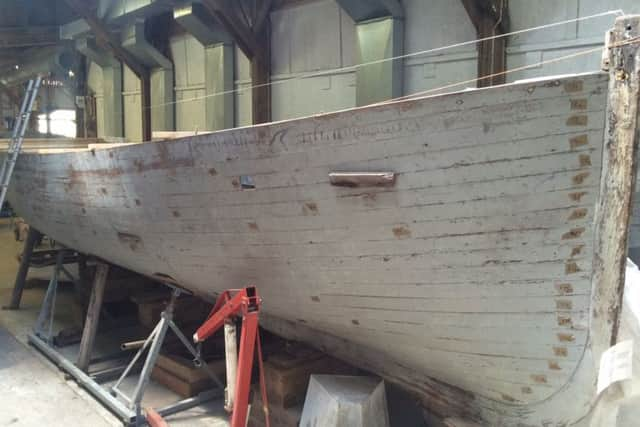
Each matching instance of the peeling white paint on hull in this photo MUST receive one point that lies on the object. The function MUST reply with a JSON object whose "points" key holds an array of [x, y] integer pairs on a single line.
{"points": [[469, 281]]}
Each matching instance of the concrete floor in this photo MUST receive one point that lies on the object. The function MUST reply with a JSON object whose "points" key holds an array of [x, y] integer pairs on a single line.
{"points": [[34, 391]]}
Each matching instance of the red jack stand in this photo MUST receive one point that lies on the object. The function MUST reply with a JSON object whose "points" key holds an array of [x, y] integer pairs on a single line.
{"points": [[244, 303]]}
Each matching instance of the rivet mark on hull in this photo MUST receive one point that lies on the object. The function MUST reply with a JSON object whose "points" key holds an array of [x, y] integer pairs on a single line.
{"points": [[576, 197], [571, 267], [574, 233], [573, 86], [553, 365], [401, 232], [579, 120], [564, 337], [564, 320], [560, 351], [310, 208], [131, 240], [538, 378], [564, 288], [578, 214], [578, 141], [585, 160], [580, 178], [579, 104], [577, 250]]}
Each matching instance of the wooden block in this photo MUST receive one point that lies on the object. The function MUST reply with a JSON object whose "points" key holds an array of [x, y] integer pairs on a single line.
{"points": [[188, 309], [178, 385], [287, 376], [278, 416], [184, 369]]}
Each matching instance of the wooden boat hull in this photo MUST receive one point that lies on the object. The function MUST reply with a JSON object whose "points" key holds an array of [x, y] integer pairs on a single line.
{"points": [[469, 281]]}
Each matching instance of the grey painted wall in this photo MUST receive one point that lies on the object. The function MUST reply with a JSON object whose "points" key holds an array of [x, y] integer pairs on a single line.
{"points": [[317, 36]]}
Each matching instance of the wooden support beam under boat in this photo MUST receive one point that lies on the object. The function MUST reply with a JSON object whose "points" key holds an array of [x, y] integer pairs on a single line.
{"points": [[108, 42], [93, 316], [250, 27], [33, 237], [490, 18]]}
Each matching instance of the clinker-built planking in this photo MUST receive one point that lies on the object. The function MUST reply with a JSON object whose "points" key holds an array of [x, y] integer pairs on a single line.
{"points": [[487, 278]]}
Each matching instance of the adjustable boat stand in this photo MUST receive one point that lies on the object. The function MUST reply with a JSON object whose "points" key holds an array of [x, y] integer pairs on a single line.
{"points": [[154, 343], [44, 323], [131, 411]]}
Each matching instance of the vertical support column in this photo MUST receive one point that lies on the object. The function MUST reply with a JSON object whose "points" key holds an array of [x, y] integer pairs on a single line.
{"points": [[219, 109], [379, 39], [145, 97], [490, 18], [261, 77], [617, 183], [81, 93], [93, 316], [33, 237], [112, 100], [162, 117], [491, 53]]}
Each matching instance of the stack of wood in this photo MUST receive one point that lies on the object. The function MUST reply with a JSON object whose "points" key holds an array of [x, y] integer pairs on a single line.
{"points": [[287, 374], [179, 374], [189, 310]]}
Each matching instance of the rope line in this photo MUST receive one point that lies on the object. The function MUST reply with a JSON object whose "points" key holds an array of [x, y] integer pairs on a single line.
{"points": [[512, 70], [380, 61]]}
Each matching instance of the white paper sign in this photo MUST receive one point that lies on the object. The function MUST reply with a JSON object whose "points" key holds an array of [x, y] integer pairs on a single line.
{"points": [[615, 364]]}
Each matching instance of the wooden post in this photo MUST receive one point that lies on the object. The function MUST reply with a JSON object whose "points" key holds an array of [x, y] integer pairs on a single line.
{"points": [[33, 237], [261, 78], [145, 96], [490, 18], [93, 316], [617, 183]]}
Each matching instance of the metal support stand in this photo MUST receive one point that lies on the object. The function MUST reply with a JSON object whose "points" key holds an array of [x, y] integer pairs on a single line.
{"points": [[44, 323], [154, 343], [128, 409], [32, 238]]}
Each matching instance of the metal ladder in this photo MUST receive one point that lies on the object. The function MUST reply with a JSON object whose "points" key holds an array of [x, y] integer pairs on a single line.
{"points": [[17, 136]]}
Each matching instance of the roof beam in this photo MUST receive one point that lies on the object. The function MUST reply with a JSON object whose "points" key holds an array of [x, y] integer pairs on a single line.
{"points": [[21, 37], [110, 43], [241, 32]]}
